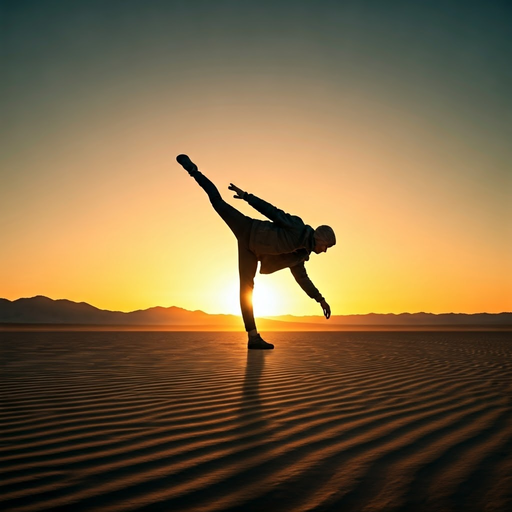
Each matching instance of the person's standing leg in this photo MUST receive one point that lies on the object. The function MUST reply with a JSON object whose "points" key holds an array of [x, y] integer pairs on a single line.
{"points": [[247, 265]]}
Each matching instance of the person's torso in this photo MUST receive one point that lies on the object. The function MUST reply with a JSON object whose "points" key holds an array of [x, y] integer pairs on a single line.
{"points": [[278, 248], [269, 239]]}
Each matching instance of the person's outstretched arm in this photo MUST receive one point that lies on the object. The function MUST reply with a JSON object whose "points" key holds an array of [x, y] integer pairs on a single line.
{"points": [[302, 278], [276, 215]]}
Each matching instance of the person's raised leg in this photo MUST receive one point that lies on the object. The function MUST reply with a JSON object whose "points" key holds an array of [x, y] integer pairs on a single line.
{"points": [[237, 221]]}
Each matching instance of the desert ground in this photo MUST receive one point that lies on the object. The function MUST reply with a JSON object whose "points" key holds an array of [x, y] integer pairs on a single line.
{"points": [[184, 421]]}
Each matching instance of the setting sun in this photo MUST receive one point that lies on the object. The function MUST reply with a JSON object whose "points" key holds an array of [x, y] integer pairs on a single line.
{"points": [[267, 299]]}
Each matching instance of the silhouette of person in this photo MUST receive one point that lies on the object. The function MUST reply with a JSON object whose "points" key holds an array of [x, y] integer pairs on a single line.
{"points": [[283, 242]]}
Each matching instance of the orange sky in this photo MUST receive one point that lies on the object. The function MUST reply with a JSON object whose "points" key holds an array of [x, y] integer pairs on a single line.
{"points": [[414, 180]]}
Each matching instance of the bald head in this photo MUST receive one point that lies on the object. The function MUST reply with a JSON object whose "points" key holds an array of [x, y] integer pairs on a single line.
{"points": [[324, 238]]}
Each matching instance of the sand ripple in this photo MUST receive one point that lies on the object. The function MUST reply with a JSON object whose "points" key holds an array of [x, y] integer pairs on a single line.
{"points": [[191, 421]]}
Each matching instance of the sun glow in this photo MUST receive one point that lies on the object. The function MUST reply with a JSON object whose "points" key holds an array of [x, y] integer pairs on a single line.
{"points": [[266, 299]]}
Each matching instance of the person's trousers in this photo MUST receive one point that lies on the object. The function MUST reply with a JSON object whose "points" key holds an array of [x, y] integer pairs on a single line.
{"points": [[240, 224]]}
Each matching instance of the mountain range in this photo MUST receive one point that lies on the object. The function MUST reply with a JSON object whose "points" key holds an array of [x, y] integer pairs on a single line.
{"points": [[41, 310]]}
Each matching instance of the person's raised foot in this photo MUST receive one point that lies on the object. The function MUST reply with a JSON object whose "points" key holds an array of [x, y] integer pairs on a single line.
{"points": [[258, 343], [187, 164]]}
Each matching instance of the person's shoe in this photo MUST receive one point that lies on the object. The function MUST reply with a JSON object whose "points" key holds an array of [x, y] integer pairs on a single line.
{"points": [[187, 164], [257, 342]]}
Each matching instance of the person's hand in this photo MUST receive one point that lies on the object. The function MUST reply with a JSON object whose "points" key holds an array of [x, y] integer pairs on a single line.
{"points": [[239, 192], [326, 309]]}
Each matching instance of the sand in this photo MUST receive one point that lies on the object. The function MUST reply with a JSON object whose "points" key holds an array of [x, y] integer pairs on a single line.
{"points": [[191, 421]]}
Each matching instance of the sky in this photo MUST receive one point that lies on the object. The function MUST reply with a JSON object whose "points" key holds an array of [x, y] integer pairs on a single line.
{"points": [[390, 121]]}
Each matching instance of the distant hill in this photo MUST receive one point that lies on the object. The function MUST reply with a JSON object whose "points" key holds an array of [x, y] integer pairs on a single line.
{"points": [[45, 311], [42, 310]]}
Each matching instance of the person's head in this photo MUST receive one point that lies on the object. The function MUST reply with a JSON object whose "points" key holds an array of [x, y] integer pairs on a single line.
{"points": [[324, 238]]}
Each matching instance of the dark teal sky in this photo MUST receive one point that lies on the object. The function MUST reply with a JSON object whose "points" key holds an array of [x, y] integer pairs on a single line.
{"points": [[448, 55]]}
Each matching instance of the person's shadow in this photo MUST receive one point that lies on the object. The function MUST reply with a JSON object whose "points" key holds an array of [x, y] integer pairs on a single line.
{"points": [[252, 411]]}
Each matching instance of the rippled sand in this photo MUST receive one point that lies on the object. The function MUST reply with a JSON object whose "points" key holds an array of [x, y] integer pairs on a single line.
{"points": [[192, 421]]}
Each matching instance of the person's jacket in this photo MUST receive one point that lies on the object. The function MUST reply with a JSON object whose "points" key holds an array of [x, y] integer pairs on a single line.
{"points": [[285, 242]]}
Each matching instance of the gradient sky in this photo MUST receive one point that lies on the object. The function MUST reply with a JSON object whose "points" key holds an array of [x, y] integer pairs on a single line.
{"points": [[390, 121]]}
